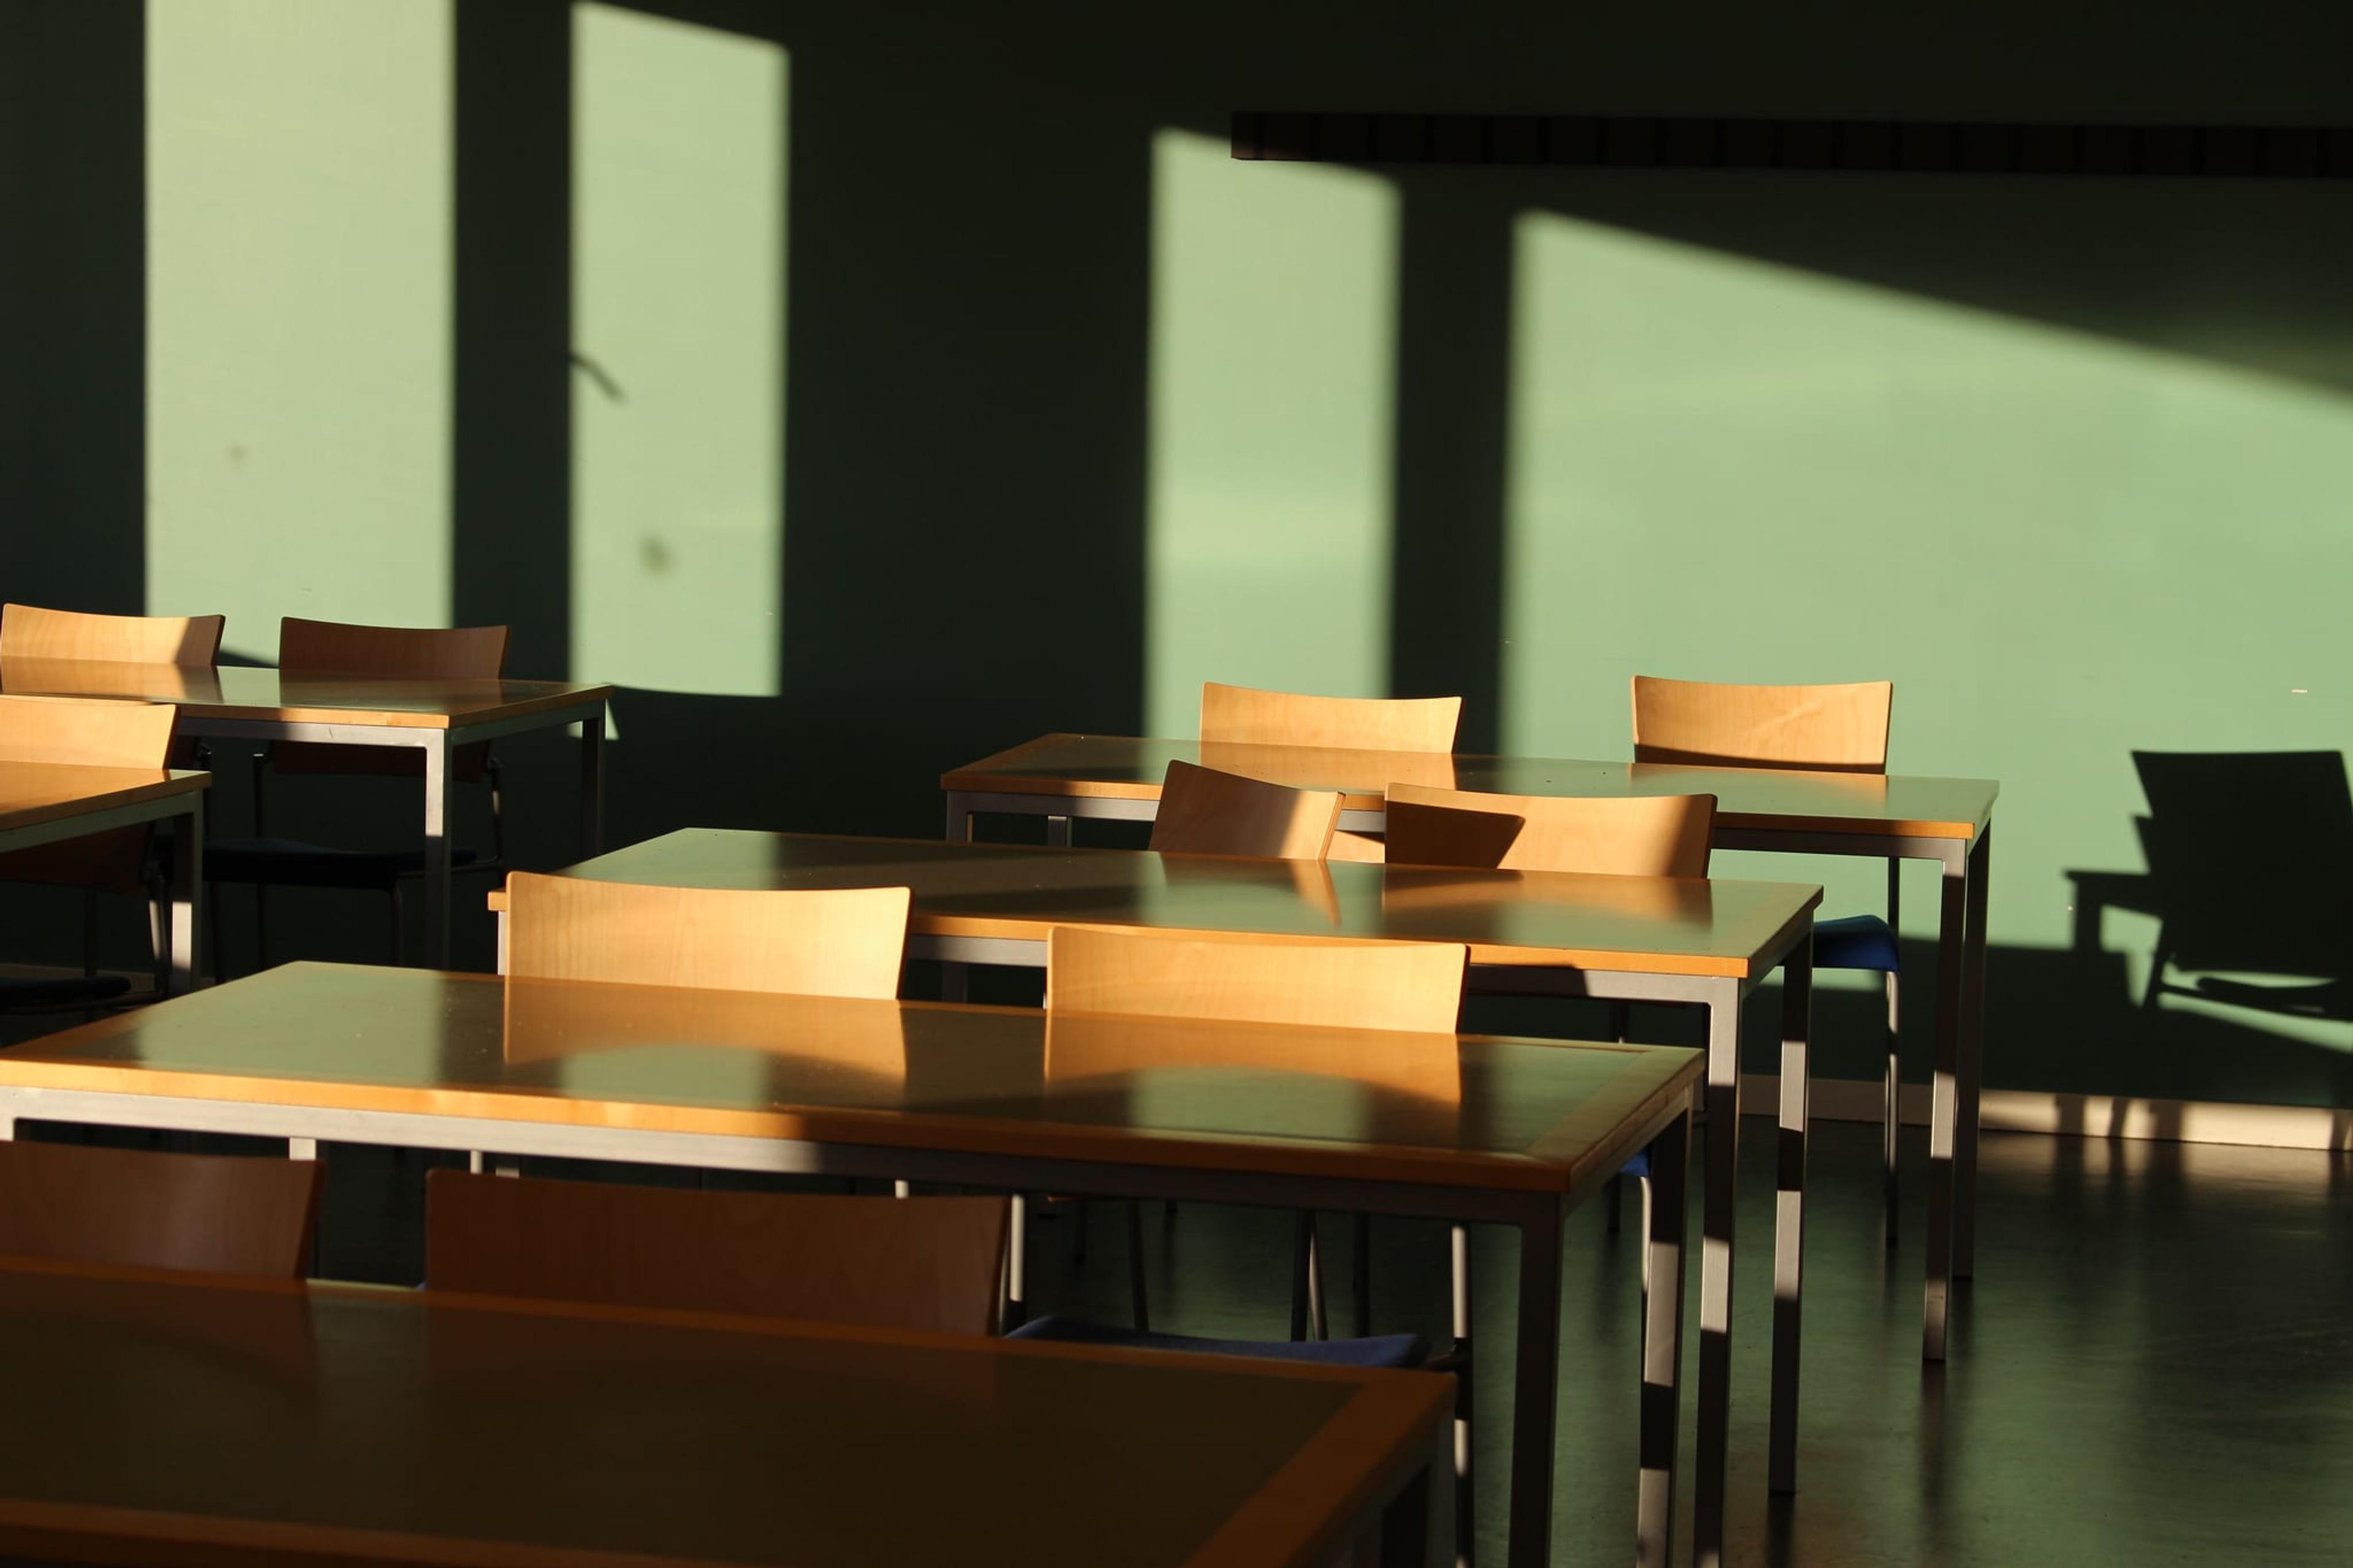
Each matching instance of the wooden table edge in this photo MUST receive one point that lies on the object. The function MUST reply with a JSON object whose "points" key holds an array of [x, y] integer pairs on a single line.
{"points": [[1356, 1462], [177, 782], [362, 717]]}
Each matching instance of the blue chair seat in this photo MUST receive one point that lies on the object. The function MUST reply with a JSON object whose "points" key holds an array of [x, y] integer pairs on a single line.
{"points": [[1855, 942], [1396, 1351], [291, 863]]}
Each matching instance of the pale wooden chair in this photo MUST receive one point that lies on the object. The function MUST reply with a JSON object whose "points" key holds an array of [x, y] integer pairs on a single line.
{"points": [[1240, 715], [934, 1263], [1328, 983], [1322, 982], [215, 1214], [130, 862], [28, 631], [334, 648], [1817, 729], [1635, 836], [831, 942], [1204, 812]]}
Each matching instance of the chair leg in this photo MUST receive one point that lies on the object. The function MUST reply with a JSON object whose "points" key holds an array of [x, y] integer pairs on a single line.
{"points": [[1303, 1258], [159, 936], [220, 937], [260, 926], [1892, 1112], [1318, 1315], [399, 928], [1135, 1281], [1363, 1275]]}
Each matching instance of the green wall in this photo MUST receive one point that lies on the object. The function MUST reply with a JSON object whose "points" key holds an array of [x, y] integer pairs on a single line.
{"points": [[482, 310]]}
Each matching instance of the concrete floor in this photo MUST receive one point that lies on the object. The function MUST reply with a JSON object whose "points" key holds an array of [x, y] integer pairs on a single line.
{"points": [[2150, 1368]]}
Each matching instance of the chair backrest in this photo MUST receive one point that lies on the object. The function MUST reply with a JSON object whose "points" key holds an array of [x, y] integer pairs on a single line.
{"points": [[1824, 729], [1204, 812], [28, 631], [831, 942], [906, 1263], [1325, 982], [411, 653], [420, 653], [215, 1213], [1624, 836], [86, 733], [1238, 715]]}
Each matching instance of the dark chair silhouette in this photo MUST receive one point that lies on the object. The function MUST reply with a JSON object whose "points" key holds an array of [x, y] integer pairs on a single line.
{"points": [[2248, 853]]}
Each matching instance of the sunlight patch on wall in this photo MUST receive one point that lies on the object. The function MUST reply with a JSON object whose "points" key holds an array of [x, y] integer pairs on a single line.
{"points": [[298, 313], [677, 330], [1272, 343], [2061, 548]]}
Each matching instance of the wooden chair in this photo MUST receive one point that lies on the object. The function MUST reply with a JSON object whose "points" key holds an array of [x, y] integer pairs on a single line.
{"points": [[833, 942], [1818, 729], [934, 1263], [1637, 836], [130, 862], [28, 631], [1324, 981], [1327, 982], [217, 1214], [1204, 812], [332, 647], [1238, 715]]}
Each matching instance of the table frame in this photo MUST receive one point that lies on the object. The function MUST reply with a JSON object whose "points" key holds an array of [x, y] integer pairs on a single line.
{"points": [[1537, 1216], [1965, 867], [183, 916], [436, 744], [1792, 953]]}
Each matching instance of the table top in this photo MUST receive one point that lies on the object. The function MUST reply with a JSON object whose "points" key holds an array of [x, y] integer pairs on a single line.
{"points": [[32, 794], [1356, 1104], [1654, 925], [195, 1418], [231, 693], [1748, 799]]}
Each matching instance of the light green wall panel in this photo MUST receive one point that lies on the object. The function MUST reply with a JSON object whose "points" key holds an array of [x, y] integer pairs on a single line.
{"points": [[2060, 547], [679, 315], [297, 311], [1274, 327]]}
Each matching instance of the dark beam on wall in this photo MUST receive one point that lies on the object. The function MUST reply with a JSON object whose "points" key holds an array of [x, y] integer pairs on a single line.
{"points": [[73, 303], [1652, 141], [1453, 352], [510, 443]]}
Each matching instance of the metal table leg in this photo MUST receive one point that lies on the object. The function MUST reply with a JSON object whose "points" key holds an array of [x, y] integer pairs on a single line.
{"points": [[1716, 1273], [1535, 1388], [1945, 1105], [437, 851], [1790, 1214], [187, 912], [1662, 1342], [1972, 1068]]}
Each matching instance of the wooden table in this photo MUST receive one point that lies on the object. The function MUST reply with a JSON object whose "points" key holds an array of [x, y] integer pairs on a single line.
{"points": [[41, 803], [435, 717], [1466, 1129], [1629, 938], [191, 1419], [1889, 817]]}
